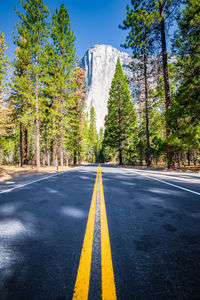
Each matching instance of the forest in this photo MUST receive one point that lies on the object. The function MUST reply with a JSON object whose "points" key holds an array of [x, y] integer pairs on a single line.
{"points": [[43, 114], [163, 127], [43, 118]]}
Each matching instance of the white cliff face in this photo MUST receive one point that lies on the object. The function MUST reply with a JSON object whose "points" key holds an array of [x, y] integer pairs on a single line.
{"points": [[99, 62]]}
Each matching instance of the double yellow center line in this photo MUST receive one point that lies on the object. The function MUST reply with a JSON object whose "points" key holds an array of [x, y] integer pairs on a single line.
{"points": [[81, 289]]}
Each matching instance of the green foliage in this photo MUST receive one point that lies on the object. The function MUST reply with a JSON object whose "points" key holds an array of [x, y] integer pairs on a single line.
{"points": [[121, 115], [187, 46], [92, 134], [45, 112], [85, 139], [99, 146], [139, 21], [48, 91], [6, 125]]}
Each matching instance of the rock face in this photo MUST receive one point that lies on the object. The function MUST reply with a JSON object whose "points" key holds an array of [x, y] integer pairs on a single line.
{"points": [[99, 63]]}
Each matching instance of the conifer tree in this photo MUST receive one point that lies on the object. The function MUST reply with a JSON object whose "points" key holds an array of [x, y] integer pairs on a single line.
{"points": [[6, 126], [3, 71], [76, 105], [21, 89], [187, 48], [4, 63], [164, 14], [92, 133], [185, 111], [32, 31], [118, 121], [85, 140], [139, 20], [65, 57], [99, 146], [155, 15]]}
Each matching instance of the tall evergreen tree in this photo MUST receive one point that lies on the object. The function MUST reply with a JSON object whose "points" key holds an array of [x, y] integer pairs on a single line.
{"points": [[76, 105], [139, 21], [155, 16], [6, 126], [118, 122], [32, 30], [65, 57], [4, 64], [21, 89], [85, 139], [92, 133], [165, 12], [99, 146], [185, 111], [187, 48]]}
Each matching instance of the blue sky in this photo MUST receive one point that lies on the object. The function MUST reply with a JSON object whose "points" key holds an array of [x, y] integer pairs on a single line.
{"points": [[93, 22]]}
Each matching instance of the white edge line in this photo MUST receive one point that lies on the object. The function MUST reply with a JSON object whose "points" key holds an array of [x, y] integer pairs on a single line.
{"points": [[22, 185], [174, 185]]}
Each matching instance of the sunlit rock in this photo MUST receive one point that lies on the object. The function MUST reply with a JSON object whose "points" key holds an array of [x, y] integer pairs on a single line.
{"points": [[99, 63]]}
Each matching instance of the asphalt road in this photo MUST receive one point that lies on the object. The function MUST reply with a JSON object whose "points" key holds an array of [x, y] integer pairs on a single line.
{"points": [[154, 230]]}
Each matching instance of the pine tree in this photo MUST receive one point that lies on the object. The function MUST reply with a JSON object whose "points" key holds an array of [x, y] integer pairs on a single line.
{"points": [[164, 13], [187, 46], [32, 31], [51, 104], [185, 111], [155, 15], [92, 133], [21, 89], [85, 140], [118, 121], [139, 20], [4, 63], [6, 125], [76, 106], [64, 55], [100, 136], [3, 70]]}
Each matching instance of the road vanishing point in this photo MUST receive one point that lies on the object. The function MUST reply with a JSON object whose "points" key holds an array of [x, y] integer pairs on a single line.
{"points": [[101, 232]]}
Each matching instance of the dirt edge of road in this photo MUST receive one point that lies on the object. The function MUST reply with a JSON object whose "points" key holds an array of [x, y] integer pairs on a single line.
{"points": [[14, 172]]}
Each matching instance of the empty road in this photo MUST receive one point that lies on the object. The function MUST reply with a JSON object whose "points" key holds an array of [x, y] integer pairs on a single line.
{"points": [[101, 233]]}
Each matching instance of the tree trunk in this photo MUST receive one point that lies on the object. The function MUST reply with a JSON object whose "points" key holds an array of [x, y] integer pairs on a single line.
{"points": [[179, 164], [61, 133], [54, 152], [47, 154], [37, 122], [166, 80], [20, 146], [195, 158], [26, 145], [188, 157], [79, 152], [148, 150], [120, 157], [61, 150], [67, 157], [182, 160], [75, 158]]}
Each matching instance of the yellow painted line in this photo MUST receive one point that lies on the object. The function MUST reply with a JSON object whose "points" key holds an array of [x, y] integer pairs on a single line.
{"points": [[107, 274], [81, 289]]}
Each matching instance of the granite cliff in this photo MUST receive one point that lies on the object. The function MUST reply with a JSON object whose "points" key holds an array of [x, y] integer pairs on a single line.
{"points": [[99, 63]]}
